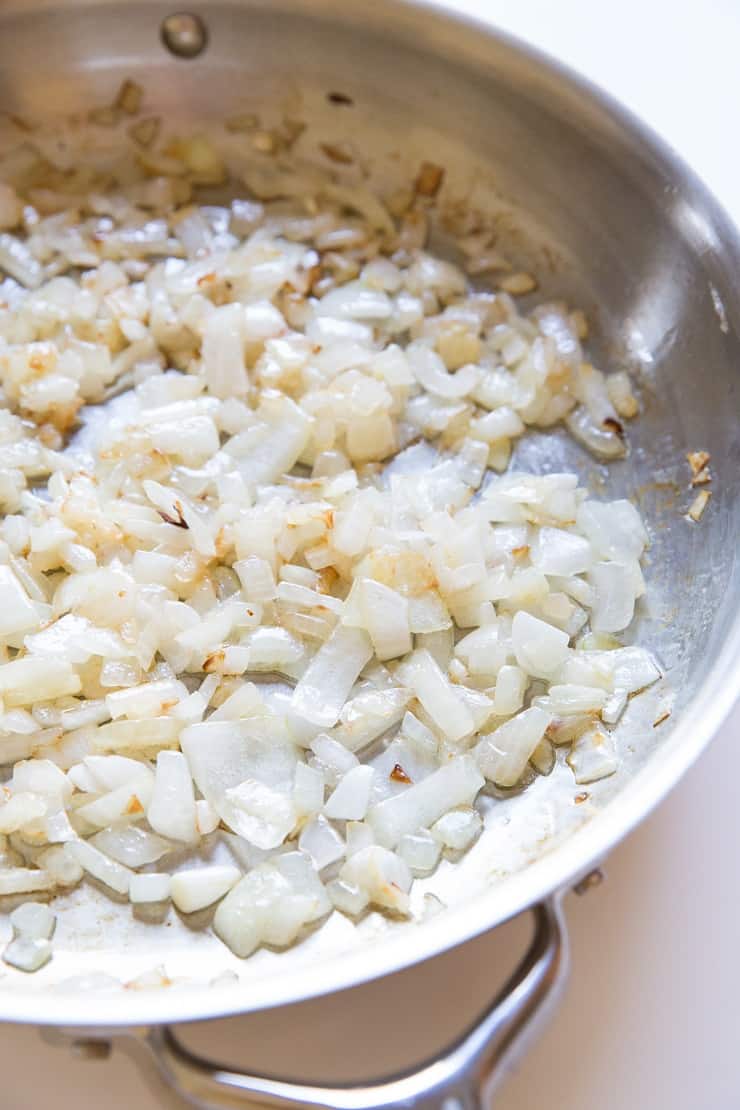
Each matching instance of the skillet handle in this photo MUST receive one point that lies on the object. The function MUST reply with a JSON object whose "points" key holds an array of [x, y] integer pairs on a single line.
{"points": [[455, 1080]]}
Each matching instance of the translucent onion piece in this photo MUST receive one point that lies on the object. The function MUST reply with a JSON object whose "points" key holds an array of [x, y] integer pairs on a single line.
{"points": [[455, 783], [503, 754], [322, 691]]}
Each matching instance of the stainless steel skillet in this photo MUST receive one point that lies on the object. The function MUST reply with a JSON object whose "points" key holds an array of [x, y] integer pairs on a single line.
{"points": [[606, 216]]}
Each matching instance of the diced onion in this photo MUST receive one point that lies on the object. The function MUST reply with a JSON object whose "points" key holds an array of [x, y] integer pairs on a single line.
{"points": [[503, 754], [27, 953], [199, 887], [592, 757], [453, 784], [101, 867], [151, 886], [171, 810], [438, 697], [283, 598], [539, 648], [33, 920], [350, 799], [325, 686], [381, 875]]}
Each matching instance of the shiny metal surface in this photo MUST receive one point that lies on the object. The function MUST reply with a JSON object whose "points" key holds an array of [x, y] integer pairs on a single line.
{"points": [[607, 217], [455, 1079]]}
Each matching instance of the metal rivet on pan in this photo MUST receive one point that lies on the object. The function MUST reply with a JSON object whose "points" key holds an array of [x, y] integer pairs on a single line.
{"points": [[184, 34], [594, 878], [91, 1049]]}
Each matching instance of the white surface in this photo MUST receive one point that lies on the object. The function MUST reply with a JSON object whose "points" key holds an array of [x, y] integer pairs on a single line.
{"points": [[672, 62], [650, 1019]]}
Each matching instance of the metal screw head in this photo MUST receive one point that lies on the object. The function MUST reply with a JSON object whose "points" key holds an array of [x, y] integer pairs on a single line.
{"points": [[184, 34], [90, 1049], [588, 882]]}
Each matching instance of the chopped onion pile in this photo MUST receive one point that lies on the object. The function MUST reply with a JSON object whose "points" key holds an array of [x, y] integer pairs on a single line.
{"points": [[436, 629]]}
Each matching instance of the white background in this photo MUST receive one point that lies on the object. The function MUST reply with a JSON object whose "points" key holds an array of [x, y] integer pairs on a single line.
{"points": [[650, 1021]]}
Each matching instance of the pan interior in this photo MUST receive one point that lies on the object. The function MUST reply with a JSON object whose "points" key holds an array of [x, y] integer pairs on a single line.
{"points": [[607, 220]]}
